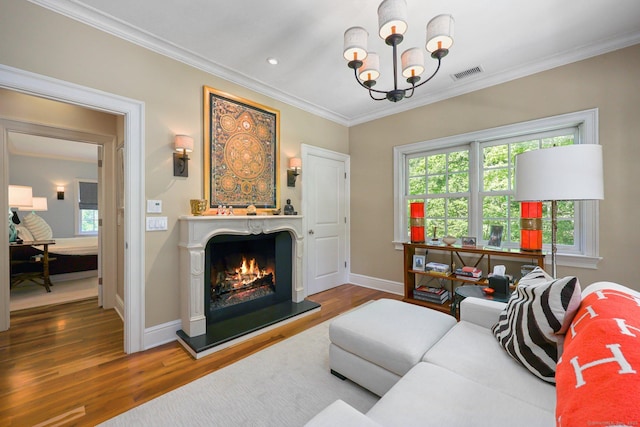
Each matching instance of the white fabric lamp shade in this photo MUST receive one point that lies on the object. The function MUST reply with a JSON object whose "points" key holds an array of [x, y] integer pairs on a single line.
{"points": [[355, 44], [370, 69], [412, 62], [39, 205], [295, 163], [392, 18], [183, 143], [20, 196], [440, 33], [572, 172]]}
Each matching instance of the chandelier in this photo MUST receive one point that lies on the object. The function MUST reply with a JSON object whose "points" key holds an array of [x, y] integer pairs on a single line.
{"points": [[392, 23]]}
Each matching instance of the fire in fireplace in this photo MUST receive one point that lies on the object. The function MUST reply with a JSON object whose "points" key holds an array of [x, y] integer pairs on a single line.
{"points": [[247, 273]]}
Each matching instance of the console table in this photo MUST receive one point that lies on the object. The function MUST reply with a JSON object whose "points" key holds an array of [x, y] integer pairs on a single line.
{"points": [[457, 254], [39, 277]]}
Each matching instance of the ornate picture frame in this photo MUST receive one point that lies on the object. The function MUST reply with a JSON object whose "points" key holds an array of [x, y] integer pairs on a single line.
{"points": [[241, 152]]}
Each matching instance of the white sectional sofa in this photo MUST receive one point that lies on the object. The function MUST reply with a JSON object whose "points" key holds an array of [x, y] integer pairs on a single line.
{"points": [[465, 378]]}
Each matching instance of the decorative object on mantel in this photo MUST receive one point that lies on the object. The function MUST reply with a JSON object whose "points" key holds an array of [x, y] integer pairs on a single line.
{"points": [[275, 211], [241, 152], [392, 22], [288, 208], [251, 210], [570, 172], [198, 206]]}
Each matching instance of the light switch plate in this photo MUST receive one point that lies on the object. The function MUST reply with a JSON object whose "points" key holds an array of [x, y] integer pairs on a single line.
{"points": [[157, 223], [154, 206]]}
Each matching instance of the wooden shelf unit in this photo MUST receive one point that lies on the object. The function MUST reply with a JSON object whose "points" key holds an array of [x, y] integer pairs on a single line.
{"points": [[455, 252]]}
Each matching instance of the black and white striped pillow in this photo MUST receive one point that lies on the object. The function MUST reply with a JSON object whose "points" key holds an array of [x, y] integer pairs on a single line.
{"points": [[532, 325]]}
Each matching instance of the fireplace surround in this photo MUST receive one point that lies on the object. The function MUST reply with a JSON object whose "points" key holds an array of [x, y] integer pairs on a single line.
{"points": [[196, 233]]}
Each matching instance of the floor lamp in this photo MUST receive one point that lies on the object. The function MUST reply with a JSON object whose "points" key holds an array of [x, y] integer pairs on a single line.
{"points": [[571, 172]]}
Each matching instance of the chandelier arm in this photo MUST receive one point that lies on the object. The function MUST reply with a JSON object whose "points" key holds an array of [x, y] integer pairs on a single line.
{"points": [[374, 98], [430, 77], [355, 73]]}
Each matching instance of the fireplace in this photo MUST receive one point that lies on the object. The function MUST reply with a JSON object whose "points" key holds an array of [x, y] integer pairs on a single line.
{"points": [[239, 275], [245, 273]]}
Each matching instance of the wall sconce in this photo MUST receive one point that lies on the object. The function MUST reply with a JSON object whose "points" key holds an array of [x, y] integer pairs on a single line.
{"points": [[295, 163], [60, 190], [183, 145]]}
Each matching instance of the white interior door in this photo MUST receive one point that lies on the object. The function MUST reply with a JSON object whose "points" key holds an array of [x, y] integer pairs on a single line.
{"points": [[325, 199]]}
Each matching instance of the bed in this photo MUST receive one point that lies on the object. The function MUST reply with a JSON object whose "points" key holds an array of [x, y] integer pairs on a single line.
{"points": [[67, 255]]}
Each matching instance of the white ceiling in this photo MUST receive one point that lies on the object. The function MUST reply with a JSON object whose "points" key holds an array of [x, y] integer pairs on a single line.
{"points": [[232, 39]]}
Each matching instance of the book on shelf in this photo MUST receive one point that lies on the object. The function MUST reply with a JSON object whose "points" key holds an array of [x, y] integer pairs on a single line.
{"points": [[431, 294], [436, 267], [468, 278], [468, 272]]}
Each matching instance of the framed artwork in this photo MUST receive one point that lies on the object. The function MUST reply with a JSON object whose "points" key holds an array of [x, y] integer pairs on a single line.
{"points": [[468, 242], [418, 262], [241, 152], [495, 236]]}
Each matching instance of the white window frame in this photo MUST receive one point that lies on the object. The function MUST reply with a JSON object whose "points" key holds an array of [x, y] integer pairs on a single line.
{"points": [[587, 233], [76, 209]]}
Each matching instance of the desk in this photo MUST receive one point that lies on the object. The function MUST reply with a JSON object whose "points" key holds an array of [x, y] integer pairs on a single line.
{"points": [[39, 277]]}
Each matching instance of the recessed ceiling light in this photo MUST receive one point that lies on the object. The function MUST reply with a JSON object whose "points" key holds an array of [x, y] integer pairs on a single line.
{"points": [[272, 61]]}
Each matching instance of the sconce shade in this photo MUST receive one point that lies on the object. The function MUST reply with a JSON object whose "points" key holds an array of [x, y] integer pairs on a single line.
{"points": [[295, 162], [572, 172], [183, 142], [392, 18], [20, 196], [39, 204]]}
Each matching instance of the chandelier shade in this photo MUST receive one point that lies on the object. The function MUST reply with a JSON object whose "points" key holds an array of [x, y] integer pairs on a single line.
{"points": [[392, 23], [412, 62], [440, 33], [370, 70], [392, 18], [355, 44]]}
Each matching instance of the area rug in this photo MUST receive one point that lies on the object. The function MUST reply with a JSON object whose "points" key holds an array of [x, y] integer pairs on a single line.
{"points": [[286, 384], [29, 294]]}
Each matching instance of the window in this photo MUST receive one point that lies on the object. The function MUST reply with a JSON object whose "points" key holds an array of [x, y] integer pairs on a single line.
{"points": [[87, 209], [467, 184]]}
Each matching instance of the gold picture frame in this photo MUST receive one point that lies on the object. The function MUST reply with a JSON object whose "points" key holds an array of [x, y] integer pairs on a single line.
{"points": [[241, 152]]}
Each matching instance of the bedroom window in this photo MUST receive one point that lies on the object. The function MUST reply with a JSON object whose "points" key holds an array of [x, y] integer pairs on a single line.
{"points": [[467, 183], [87, 209]]}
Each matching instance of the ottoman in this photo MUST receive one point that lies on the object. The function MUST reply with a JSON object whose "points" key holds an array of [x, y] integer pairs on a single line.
{"points": [[377, 343]]}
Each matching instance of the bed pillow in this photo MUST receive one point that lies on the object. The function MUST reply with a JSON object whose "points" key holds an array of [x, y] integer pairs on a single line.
{"points": [[38, 227], [532, 325], [24, 233]]}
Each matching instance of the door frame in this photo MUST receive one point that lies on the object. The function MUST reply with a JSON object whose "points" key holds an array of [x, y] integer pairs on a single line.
{"points": [[305, 152], [134, 254]]}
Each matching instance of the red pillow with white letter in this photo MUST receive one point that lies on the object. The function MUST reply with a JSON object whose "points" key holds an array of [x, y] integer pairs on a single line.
{"points": [[598, 375]]}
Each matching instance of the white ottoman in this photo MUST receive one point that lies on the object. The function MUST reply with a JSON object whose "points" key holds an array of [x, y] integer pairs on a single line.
{"points": [[376, 344]]}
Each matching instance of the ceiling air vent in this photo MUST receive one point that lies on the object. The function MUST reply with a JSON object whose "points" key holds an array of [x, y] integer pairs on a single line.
{"points": [[467, 73]]}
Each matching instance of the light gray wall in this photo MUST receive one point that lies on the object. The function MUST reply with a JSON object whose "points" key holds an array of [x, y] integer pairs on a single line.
{"points": [[44, 174]]}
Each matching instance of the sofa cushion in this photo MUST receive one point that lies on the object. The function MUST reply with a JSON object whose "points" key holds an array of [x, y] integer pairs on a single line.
{"points": [[430, 395], [389, 333], [598, 375], [538, 313], [339, 413], [489, 364]]}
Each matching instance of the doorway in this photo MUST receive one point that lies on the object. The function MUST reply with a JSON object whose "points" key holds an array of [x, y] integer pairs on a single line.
{"points": [[133, 170]]}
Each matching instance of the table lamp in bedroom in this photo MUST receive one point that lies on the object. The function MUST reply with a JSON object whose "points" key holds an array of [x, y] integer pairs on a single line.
{"points": [[39, 205]]}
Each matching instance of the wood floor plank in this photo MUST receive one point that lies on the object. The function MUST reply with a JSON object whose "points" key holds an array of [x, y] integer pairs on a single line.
{"points": [[64, 365]]}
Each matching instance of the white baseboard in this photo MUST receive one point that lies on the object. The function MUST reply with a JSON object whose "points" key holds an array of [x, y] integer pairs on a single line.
{"points": [[161, 334], [119, 308], [377, 284]]}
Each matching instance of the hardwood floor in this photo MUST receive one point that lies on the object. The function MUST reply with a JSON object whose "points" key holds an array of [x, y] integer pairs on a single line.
{"points": [[64, 365]]}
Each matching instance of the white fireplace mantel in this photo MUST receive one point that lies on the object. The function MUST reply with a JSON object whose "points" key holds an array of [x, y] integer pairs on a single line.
{"points": [[195, 233]]}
